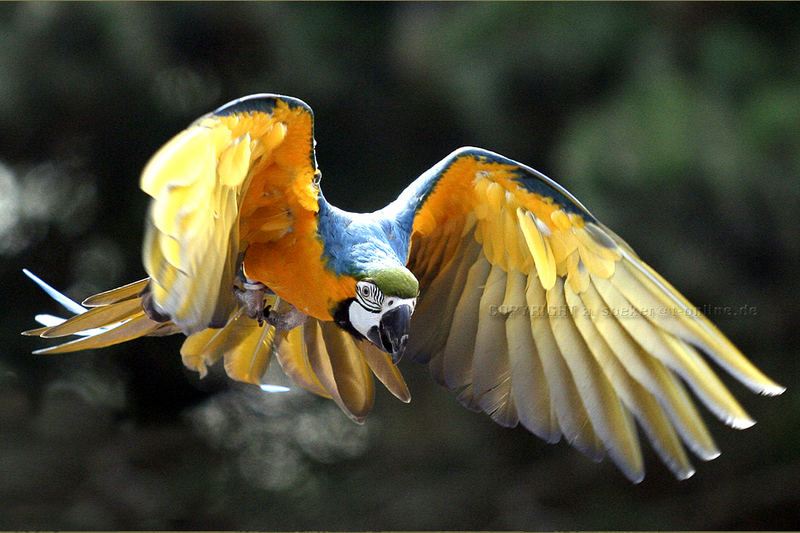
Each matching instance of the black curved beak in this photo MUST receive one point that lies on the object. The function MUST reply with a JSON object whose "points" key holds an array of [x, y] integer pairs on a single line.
{"points": [[392, 334]]}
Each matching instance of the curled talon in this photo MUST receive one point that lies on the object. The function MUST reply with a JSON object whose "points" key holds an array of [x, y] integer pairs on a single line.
{"points": [[288, 317], [251, 295]]}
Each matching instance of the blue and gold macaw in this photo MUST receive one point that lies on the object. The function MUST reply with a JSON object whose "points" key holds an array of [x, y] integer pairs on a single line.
{"points": [[487, 270]]}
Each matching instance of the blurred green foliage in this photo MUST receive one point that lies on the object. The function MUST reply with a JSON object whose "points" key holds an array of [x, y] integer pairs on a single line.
{"points": [[677, 124]]}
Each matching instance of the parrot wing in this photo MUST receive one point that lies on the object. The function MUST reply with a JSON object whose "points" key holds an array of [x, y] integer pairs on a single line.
{"points": [[232, 178], [538, 314]]}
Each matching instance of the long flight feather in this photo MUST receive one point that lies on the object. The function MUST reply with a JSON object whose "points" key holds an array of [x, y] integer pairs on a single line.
{"points": [[651, 374], [690, 366], [321, 365], [353, 377], [689, 324], [381, 365], [490, 369], [573, 420], [247, 350], [528, 382], [457, 356], [425, 341], [635, 398], [293, 358], [608, 417]]}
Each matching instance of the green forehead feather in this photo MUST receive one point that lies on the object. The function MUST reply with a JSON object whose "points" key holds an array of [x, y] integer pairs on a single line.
{"points": [[395, 281]]}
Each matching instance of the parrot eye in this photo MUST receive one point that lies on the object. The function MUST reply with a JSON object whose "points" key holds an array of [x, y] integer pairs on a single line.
{"points": [[369, 296]]}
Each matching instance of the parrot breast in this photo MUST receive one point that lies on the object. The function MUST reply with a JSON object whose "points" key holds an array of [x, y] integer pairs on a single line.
{"points": [[295, 268]]}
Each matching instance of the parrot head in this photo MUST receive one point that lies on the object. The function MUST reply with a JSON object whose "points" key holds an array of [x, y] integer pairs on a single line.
{"points": [[381, 309]]}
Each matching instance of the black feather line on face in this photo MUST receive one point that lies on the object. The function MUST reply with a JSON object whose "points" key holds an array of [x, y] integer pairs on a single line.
{"points": [[370, 297], [342, 318]]}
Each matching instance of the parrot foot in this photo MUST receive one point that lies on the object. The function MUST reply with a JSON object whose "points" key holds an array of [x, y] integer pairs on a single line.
{"points": [[288, 318], [283, 316], [251, 295]]}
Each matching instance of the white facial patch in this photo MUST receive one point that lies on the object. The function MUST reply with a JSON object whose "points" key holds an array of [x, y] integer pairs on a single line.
{"points": [[371, 304]]}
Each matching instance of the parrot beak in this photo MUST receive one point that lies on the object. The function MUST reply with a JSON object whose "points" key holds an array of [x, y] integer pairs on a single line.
{"points": [[391, 335]]}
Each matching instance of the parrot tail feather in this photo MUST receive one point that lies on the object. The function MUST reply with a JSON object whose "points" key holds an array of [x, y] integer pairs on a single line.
{"points": [[126, 292], [116, 316], [68, 303], [137, 326]]}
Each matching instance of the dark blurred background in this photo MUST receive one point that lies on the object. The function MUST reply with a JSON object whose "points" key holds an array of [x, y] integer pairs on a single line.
{"points": [[676, 124]]}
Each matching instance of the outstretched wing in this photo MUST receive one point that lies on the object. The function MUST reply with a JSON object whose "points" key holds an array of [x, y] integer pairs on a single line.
{"points": [[538, 314], [234, 177]]}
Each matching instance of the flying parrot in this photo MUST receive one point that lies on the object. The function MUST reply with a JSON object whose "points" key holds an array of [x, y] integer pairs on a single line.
{"points": [[498, 278]]}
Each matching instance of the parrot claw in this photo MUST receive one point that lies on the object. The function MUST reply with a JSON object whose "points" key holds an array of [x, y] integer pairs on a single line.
{"points": [[287, 319], [251, 295]]}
